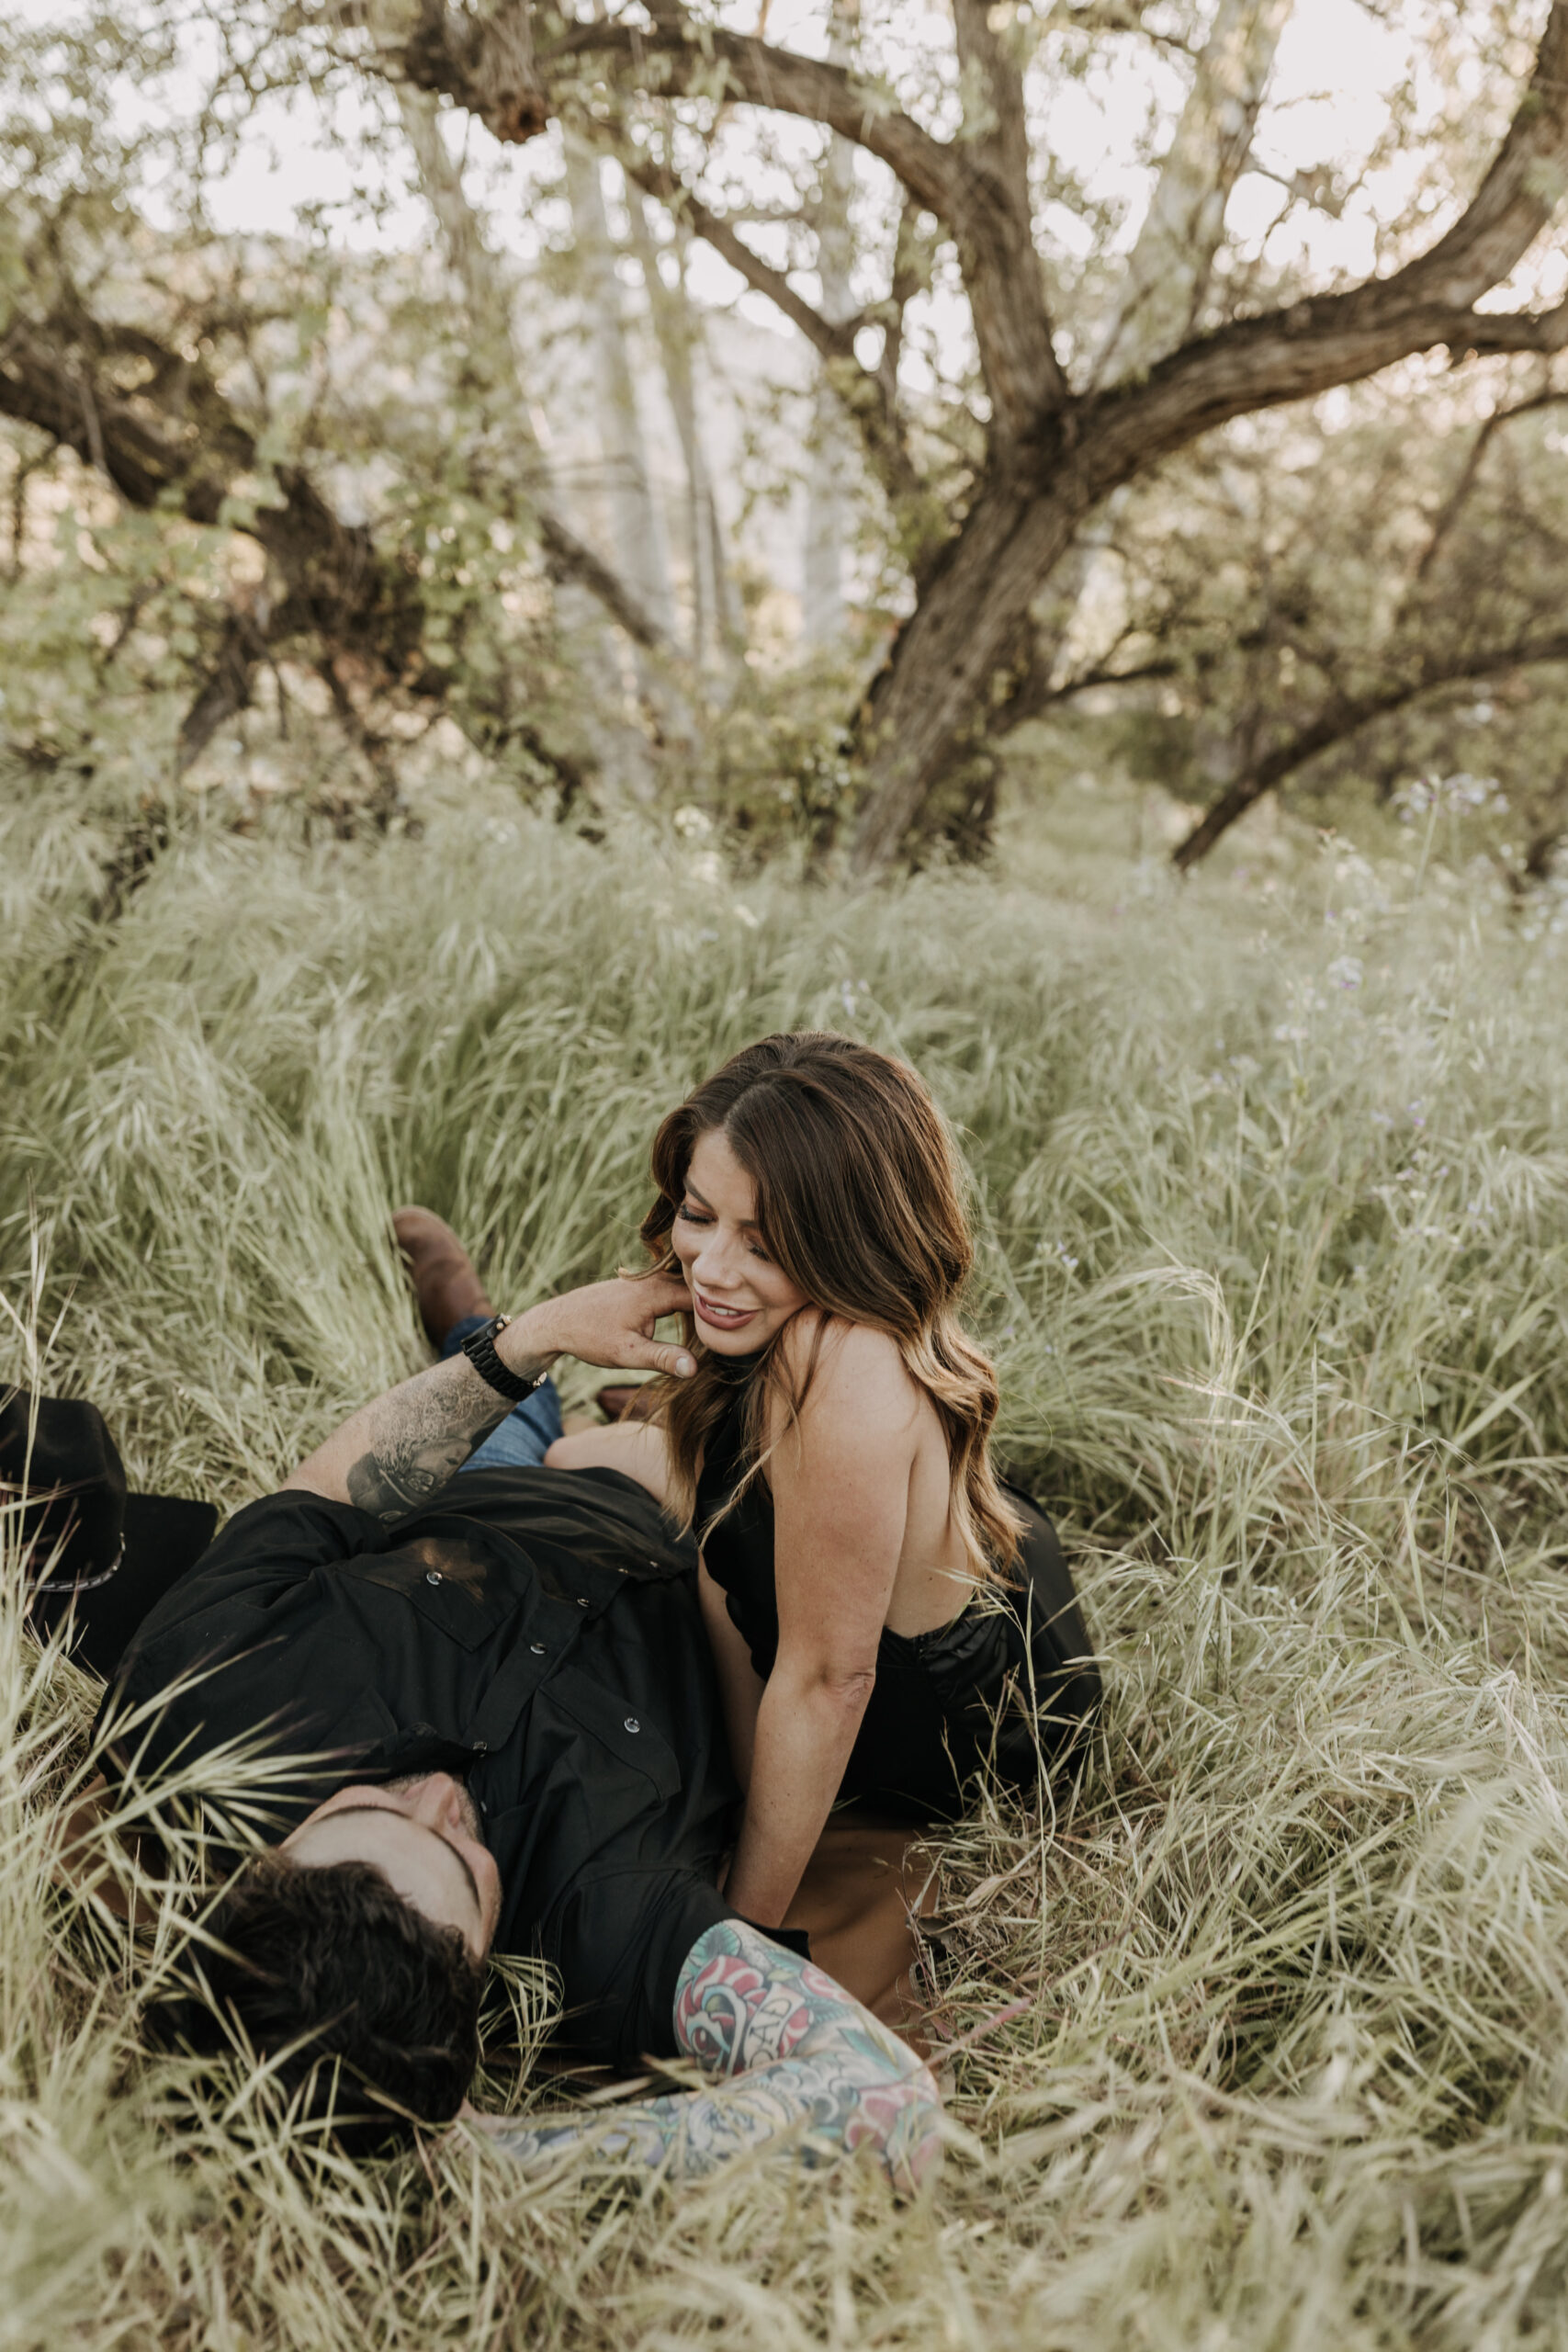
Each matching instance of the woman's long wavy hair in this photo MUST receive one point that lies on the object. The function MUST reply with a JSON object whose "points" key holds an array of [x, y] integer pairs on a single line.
{"points": [[859, 1202]]}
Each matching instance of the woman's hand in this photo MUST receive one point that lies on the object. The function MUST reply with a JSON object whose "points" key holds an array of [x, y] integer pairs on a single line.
{"points": [[605, 1323]]}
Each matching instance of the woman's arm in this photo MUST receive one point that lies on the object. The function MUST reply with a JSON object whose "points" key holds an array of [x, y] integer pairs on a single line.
{"points": [[798, 2060], [841, 1484], [392, 1453], [740, 1686]]}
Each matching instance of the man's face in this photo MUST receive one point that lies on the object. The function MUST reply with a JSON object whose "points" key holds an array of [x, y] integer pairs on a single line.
{"points": [[423, 1835]]}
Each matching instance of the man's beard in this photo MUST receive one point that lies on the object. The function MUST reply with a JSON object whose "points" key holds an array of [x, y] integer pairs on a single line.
{"points": [[472, 1824]]}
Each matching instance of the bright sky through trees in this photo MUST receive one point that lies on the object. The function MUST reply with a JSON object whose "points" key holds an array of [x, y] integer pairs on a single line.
{"points": [[1336, 67]]}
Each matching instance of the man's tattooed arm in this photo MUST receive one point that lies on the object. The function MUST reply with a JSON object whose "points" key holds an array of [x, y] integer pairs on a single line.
{"points": [[390, 1455], [799, 2064]]}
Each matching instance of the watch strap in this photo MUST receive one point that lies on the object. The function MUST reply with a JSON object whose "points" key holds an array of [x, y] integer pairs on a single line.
{"points": [[480, 1349]]}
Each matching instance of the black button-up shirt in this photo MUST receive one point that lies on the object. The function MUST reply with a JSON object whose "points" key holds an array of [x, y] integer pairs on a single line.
{"points": [[536, 1632]]}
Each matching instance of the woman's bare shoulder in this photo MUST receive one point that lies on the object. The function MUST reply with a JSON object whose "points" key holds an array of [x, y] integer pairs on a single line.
{"points": [[858, 1376]]}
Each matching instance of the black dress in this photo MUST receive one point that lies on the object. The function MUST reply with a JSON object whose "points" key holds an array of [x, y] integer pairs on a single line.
{"points": [[941, 1698]]}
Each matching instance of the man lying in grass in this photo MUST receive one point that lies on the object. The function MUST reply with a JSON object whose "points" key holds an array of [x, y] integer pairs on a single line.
{"points": [[510, 1670]]}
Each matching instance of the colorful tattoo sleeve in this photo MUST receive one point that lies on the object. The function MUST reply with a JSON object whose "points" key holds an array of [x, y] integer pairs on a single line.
{"points": [[796, 2059]]}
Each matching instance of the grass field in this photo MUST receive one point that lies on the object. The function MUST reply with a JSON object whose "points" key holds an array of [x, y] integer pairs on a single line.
{"points": [[1273, 1182]]}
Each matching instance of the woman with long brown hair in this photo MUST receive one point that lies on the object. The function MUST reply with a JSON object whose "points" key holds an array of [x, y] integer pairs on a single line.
{"points": [[886, 1614]]}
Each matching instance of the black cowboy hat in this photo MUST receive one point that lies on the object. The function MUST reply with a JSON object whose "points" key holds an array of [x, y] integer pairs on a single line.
{"points": [[93, 1551]]}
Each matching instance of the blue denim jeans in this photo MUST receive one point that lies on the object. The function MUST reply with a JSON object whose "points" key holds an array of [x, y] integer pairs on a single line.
{"points": [[520, 1442]]}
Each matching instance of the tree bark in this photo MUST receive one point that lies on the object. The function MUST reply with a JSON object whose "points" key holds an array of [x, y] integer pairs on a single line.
{"points": [[927, 703]]}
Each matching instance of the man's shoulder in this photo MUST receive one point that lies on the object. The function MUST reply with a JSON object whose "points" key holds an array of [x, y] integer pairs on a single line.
{"points": [[279, 1537], [619, 1939], [268, 1550]]}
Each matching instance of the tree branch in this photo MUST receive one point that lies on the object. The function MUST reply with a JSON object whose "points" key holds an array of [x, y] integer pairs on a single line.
{"points": [[1034, 693], [1112, 17], [569, 557], [833, 341], [227, 688], [978, 186], [1007, 282], [904, 284], [757, 73], [176, 439], [865, 393], [1486, 333], [1329, 339], [1470, 472], [1344, 719]]}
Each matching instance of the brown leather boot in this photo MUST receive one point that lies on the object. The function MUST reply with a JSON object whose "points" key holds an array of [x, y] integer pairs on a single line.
{"points": [[446, 1286]]}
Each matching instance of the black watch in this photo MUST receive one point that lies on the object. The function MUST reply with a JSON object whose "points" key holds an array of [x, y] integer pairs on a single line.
{"points": [[480, 1349]]}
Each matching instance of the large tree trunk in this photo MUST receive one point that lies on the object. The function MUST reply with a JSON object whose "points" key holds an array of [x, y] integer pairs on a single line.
{"points": [[929, 703], [922, 724]]}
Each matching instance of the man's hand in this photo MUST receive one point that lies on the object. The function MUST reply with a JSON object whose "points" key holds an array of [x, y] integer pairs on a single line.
{"points": [[393, 1455], [605, 1323]]}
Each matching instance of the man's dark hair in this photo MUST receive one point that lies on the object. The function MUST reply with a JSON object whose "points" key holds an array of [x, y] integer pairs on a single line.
{"points": [[364, 1994]]}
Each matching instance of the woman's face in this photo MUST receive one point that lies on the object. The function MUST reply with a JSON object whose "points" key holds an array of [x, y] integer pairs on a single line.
{"points": [[738, 1296]]}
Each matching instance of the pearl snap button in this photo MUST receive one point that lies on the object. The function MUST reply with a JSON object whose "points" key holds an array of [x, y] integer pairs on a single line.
{"points": [[632, 1724], [537, 1648], [433, 1576], [583, 1602]]}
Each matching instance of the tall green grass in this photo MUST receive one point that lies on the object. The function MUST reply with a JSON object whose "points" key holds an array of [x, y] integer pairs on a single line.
{"points": [[1273, 1194]]}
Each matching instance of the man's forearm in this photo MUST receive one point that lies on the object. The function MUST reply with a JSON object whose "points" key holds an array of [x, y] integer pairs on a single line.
{"points": [[391, 1455], [801, 2062], [394, 1452]]}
